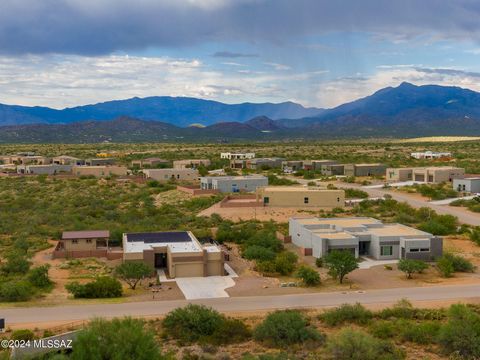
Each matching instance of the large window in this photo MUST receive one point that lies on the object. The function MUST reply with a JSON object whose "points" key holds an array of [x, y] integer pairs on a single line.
{"points": [[386, 250]]}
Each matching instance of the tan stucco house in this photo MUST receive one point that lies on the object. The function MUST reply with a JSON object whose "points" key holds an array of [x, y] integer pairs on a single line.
{"points": [[295, 196]]}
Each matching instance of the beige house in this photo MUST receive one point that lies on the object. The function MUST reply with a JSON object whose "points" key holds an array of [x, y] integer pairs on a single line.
{"points": [[432, 174], [293, 196], [149, 162], [99, 171], [78, 244], [165, 175], [190, 163], [178, 253], [99, 161], [50, 169], [67, 160]]}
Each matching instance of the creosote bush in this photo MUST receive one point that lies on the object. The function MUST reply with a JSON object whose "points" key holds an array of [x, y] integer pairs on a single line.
{"points": [[346, 313]]}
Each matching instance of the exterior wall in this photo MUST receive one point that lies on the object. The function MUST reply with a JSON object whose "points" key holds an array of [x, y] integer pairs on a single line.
{"points": [[331, 170], [99, 162], [43, 169], [196, 191], [99, 171], [467, 185], [316, 198], [82, 244], [238, 156], [187, 164], [255, 164], [234, 185], [165, 175], [61, 160], [364, 169], [399, 174], [317, 164], [237, 164], [377, 243]]}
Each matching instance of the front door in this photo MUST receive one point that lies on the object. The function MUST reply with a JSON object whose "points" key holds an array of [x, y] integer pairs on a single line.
{"points": [[160, 260]]}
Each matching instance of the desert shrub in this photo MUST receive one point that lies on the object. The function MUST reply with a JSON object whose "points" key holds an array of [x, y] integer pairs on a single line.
{"points": [[309, 276], [357, 345], [16, 263], [319, 262], [461, 334], [403, 309], [383, 329], [284, 328], [445, 266], [266, 267], [38, 276], [102, 287], [231, 331], [192, 323], [16, 290], [22, 334], [256, 252], [459, 263], [116, 339], [346, 313], [355, 194], [421, 333], [409, 266], [285, 262], [440, 225]]}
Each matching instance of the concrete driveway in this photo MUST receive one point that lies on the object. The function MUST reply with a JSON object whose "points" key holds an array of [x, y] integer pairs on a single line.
{"points": [[367, 263], [209, 287]]}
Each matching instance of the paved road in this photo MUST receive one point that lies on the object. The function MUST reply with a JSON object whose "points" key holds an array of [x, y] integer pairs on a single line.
{"points": [[463, 216], [37, 315]]}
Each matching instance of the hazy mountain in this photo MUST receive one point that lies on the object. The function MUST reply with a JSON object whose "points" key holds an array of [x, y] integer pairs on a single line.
{"points": [[180, 111], [264, 123]]}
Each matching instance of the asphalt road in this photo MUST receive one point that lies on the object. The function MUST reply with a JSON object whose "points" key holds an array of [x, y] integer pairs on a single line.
{"points": [[37, 315]]}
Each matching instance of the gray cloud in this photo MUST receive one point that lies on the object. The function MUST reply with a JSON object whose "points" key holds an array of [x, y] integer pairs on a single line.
{"points": [[92, 27], [232, 55]]}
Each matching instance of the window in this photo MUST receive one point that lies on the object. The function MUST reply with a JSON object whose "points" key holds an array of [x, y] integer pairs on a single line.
{"points": [[74, 241], [386, 250], [425, 250], [414, 250], [305, 200], [89, 241], [266, 200], [338, 199]]}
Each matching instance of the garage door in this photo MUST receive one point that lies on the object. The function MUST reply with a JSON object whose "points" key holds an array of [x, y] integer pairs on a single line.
{"points": [[188, 270]]}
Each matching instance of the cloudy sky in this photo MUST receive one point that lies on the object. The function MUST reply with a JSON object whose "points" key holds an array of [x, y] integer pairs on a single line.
{"points": [[320, 53]]}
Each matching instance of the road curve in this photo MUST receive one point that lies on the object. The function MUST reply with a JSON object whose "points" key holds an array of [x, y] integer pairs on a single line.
{"points": [[37, 315]]}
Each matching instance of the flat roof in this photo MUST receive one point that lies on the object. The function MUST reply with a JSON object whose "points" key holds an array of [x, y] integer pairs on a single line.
{"points": [[328, 234], [177, 241], [395, 230], [297, 188], [87, 234], [239, 177]]}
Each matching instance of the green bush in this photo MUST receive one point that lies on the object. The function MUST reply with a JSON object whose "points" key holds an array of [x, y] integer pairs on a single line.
{"points": [[285, 328], [346, 313], [231, 331], [116, 339], [256, 252], [22, 334], [421, 333], [132, 272], [38, 276], [319, 262], [266, 267], [309, 276], [340, 263], [285, 262], [461, 334], [440, 225], [403, 309], [16, 263], [16, 290], [351, 344], [383, 329], [192, 323], [409, 266], [459, 263], [102, 287], [445, 266]]}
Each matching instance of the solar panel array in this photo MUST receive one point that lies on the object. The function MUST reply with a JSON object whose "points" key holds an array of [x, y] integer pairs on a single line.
{"points": [[159, 237]]}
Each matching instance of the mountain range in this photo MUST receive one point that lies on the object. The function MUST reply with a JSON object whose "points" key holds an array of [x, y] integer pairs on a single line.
{"points": [[403, 111]]}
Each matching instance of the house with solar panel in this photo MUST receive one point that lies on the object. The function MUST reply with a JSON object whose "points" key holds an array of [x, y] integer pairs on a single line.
{"points": [[178, 253]]}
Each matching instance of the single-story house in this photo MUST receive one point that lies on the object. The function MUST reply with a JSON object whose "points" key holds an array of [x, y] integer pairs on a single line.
{"points": [[164, 175], [99, 162], [238, 156], [261, 163], [190, 163], [150, 162], [67, 160], [100, 171], [364, 169], [179, 253], [471, 185], [51, 169], [300, 196], [363, 236], [316, 165], [433, 174], [224, 184], [428, 155], [77, 244]]}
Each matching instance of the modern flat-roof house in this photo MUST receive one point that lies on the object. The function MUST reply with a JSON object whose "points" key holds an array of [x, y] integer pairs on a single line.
{"points": [[290, 166], [179, 253], [237, 156], [224, 184], [99, 162], [295, 196], [76, 244], [428, 155], [434, 174], [364, 169], [363, 236], [164, 175], [67, 160], [99, 171], [332, 169], [471, 185], [190, 163], [150, 162], [261, 163], [51, 169], [316, 165]]}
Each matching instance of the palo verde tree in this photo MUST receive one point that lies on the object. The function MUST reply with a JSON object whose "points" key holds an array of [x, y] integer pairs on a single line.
{"points": [[409, 266], [340, 263], [132, 272]]}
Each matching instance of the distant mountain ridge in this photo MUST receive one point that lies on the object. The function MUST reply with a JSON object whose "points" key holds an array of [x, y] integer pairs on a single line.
{"points": [[403, 111], [179, 111]]}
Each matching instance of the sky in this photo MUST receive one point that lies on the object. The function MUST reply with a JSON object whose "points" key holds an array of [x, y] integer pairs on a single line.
{"points": [[319, 53]]}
